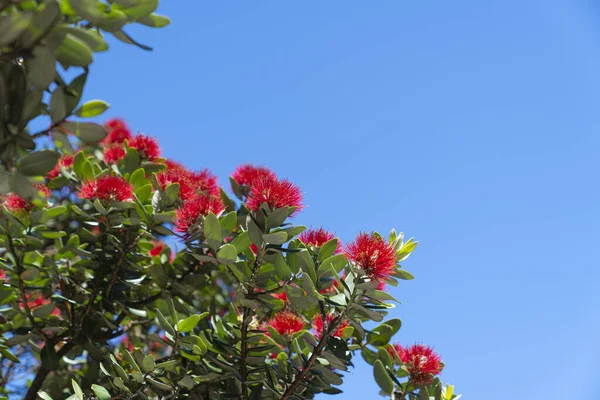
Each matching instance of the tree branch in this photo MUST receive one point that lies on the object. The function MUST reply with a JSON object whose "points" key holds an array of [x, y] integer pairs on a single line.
{"points": [[40, 377]]}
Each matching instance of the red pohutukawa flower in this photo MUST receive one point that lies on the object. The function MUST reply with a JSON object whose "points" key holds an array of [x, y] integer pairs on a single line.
{"points": [[281, 296], [2, 275], [421, 361], [191, 184], [188, 214], [107, 188], [114, 153], [147, 147], [37, 300], [16, 204], [118, 132], [157, 249], [246, 174], [318, 237], [373, 255], [318, 325], [276, 193], [286, 323], [65, 162]]}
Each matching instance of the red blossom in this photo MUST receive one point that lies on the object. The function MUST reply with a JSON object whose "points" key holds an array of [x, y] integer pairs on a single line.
{"points": [[318, 237], [381, 285], [187, 215], [118, 132], [173, 165], [276, 193], [107, 188], [318, 325], [65, 162], [157, 249], [35, 300], [191, 184], [286, 323], [147, 147], [373, 255], [254, 248], [246, 174], [114, 153], [16, 204], [281, 296], [2, 275], [397, 347], [421, 361]]}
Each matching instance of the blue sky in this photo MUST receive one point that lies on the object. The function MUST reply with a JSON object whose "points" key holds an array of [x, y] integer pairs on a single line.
{"points": [[470, 125]]}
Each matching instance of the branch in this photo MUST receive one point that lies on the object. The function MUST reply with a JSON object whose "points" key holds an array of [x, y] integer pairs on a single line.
{"points": [[40, 377], [335, 324]]}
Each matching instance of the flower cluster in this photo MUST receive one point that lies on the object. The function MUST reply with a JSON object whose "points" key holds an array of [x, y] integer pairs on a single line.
{"points": [[286, 323], [119, 138], [187, 215], [275, 193], [247, 174], [318, 237], [16, 204], [421, 361], [107, 188], [35, 300], [65, 162], [373, 255]]}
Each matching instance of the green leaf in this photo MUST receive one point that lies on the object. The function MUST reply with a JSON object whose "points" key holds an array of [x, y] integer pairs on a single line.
{"points": [[30, 274], [227, 254], [186, 325], [7, 354], [164, 323], [275, 238], [170, 194], [21, 185], [101, 392], [43, 311], [58, 109], [381, 335], [77, 389], [86, 131], [228, 223], [154, 20], [49, 357], [148, 363], [382, 378], [92, 108], [73, 52], [38, 163], [212, 231], [90, 37], [41, 67], [402, 274], [328, 249], [44, 396], [136, 9], [385, 358], [241, 242]]}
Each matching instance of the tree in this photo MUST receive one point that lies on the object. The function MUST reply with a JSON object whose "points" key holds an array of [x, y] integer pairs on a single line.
{"points": [[96, 303]]}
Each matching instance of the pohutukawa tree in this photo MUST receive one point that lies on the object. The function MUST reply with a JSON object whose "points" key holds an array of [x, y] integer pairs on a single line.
{"points": [[124, 274]]}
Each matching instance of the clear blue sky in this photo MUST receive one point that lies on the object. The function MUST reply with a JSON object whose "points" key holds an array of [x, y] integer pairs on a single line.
{"points": [[470, 125]]}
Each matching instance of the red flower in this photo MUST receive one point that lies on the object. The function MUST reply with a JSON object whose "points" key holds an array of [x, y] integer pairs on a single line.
{"points": [[36, 300], [157, 249], [318, 237], [118, 132], [281, 296], [146, 146], [191, 184], [421, 361], [114, 153], [318, 325], [286, 323], [65, 162], [372, 254], [173, 165], [107, 188], [398, 349], [276, 193], [381, 285], [246, 174], [2, 275], [187, 215], [16, 204]]}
